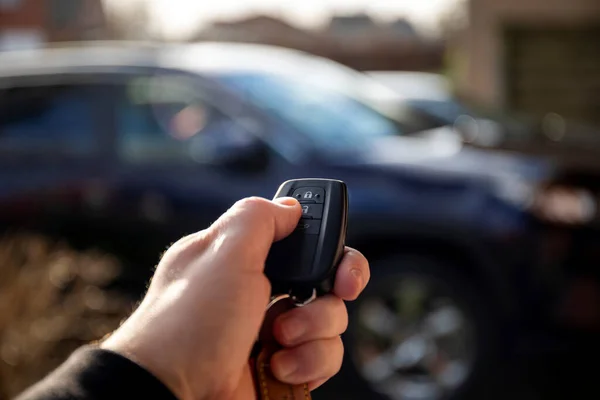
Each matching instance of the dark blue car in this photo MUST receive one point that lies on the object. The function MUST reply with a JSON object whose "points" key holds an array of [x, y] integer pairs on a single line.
{"points": [[473, 252]]}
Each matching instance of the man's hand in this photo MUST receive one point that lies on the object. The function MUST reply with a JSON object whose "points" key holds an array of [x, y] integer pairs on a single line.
{"points": [[197, 324]]}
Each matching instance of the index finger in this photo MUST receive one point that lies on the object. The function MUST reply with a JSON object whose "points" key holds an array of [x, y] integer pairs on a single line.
{"points": [[352, 276]]}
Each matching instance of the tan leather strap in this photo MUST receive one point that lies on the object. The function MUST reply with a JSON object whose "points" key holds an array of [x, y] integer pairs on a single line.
{"points": [[267, 386]]}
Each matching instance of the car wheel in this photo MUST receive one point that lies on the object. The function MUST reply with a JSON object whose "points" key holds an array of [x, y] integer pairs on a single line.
{"points": [[421, 331]]}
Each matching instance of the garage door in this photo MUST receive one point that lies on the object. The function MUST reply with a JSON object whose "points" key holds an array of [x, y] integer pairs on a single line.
{"points": [[554, 70]]}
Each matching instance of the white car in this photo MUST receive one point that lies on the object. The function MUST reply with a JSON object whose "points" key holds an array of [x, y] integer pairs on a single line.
{"points": [[415, 85]]}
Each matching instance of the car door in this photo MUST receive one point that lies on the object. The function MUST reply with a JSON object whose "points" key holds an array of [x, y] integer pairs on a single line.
{"points": [[51, 148], [186, 151]]}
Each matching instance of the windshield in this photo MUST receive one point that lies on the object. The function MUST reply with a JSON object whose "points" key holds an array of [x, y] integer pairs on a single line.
{"points": [[328, 117]]}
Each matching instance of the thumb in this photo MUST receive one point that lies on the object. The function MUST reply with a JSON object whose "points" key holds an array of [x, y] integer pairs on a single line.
{"points": [[293, 212], [251, 225]]}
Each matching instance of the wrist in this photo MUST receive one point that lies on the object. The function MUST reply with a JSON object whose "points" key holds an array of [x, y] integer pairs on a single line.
{"points": [[152, 361]]}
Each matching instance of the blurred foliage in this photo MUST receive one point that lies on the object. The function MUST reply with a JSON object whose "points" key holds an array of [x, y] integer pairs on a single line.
{"points": [[52, 300]]}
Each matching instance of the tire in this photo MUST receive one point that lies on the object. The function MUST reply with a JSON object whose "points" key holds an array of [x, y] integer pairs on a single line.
{"points": [[475, 332]]}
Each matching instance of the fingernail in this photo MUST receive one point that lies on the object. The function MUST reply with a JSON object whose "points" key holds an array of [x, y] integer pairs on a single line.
{"points": [[285, 364], [286, 201], [292, 329], [357, 273]]}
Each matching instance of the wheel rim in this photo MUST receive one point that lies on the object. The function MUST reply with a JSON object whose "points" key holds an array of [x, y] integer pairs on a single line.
{"points": [[413, 342]]}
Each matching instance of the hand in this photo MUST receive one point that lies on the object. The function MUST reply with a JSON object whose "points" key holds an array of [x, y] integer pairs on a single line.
{"points": [[196, 326]]}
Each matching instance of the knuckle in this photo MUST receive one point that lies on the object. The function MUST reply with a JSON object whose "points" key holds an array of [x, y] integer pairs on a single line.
{"points": [[254, 203], [338, 305], [338, 365], [343, 313], [198, 240], [326, 319], [313, 358], [320, 359], [337, 312], [187, 246], [256, 210], [339, 355], [328, 356]]}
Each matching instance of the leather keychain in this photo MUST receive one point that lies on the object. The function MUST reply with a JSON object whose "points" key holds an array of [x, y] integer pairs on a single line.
{"points": [[266, 385]]}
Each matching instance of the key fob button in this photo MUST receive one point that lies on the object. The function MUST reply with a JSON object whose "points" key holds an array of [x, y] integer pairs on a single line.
{"points": [[314, 211], [309, 194], [309, 226]]}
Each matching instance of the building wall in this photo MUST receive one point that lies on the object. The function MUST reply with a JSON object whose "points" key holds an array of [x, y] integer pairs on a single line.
{"points": [[89, 24], [482, 79], [21, 25], [368, 47], [28, 21], [26, 13]]}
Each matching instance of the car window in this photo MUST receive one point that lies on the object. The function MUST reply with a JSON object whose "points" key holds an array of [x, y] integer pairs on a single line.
{"points": [[330, 118], [168, 119], [48, 119]]}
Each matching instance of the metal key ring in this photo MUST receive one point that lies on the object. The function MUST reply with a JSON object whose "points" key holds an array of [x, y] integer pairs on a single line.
{"points": [[277, 298], [303, 303]]}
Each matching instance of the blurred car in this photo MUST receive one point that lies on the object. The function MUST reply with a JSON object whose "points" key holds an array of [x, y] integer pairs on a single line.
{"points": [[427, 97], [127, 147], [415, 85]]}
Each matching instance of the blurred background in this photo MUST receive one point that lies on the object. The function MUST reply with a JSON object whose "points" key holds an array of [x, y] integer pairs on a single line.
{"points": [[468, 132]]}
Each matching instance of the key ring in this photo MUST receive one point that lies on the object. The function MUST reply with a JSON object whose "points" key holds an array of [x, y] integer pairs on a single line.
{"points": [[297, 302], [275, 299], [302, 303]]}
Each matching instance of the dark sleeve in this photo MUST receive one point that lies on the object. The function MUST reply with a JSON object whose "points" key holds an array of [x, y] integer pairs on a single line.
{"points": [[94, 374]]}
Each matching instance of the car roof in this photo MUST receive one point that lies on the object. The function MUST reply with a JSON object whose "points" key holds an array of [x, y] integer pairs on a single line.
{"points": [[201, 57], [206, 58], [416, 85]]}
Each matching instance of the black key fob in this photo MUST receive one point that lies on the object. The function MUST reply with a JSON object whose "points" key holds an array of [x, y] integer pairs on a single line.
{"points": [[304, 263]]}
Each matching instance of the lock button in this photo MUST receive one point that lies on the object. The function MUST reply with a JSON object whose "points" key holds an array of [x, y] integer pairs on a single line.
{"points": [[314, 211], [309, 195]]}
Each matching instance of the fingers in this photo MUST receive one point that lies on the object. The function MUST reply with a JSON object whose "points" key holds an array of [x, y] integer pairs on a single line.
{"points": [[324, 318], [249, 228], [352, 276], [314, 361], [315, 328]]}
